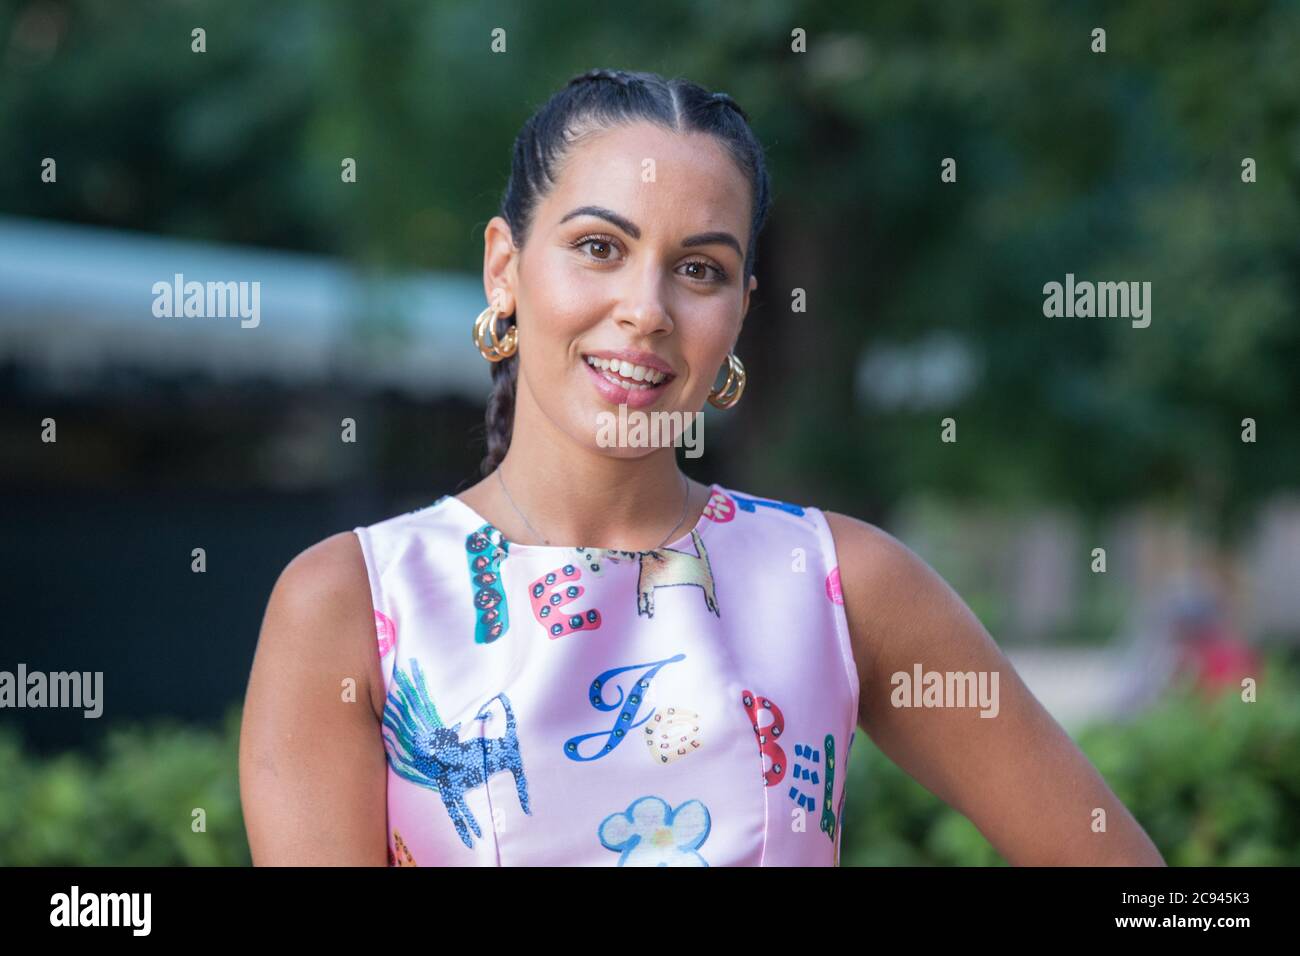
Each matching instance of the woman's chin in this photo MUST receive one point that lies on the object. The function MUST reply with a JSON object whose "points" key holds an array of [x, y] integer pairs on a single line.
{"points": [[623, 432], [627, 452]]}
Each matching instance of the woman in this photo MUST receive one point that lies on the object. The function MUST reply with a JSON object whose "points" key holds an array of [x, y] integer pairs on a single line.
{"points": [[588, 659]]}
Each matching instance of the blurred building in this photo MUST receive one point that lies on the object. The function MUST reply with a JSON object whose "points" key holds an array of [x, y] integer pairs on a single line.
{"points": [[178, 433]]}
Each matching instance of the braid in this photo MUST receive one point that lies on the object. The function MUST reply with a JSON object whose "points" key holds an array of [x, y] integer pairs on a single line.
{"points": [[499, 420]]}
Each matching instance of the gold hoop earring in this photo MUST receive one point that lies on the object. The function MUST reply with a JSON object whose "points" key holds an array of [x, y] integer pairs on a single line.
{"points": [[729, 393], [485, 336]]}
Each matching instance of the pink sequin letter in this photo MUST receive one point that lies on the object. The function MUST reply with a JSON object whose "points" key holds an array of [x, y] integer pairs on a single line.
{"points": [[548, 596], [720, 508]]}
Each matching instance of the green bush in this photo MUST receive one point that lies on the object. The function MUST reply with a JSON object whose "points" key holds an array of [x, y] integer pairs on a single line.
{"points": [[1214, 784], [134, 805]]}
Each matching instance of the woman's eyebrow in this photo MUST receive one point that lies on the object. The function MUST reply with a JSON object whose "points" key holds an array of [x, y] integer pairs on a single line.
{"points": [[631, 228], [709, 238]]}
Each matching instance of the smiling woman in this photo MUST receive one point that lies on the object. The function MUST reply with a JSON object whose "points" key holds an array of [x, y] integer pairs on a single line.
{"points": [[601, 692]]}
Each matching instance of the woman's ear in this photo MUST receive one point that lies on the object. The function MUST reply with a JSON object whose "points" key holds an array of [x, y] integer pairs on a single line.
{"points": [[744, 306], [499, 265]]}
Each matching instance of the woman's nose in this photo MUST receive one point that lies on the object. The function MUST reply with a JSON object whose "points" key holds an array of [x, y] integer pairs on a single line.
{"points": [[642, 307]]}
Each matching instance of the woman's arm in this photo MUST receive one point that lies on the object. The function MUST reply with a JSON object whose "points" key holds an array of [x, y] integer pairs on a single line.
{"points": [[312, 767], [1017, 776]]}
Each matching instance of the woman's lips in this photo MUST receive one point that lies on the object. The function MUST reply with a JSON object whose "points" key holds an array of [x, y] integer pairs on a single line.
{"points": [[621, 394]]}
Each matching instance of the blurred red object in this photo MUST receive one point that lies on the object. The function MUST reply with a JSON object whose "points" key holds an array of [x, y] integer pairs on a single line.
{"points": [[1215, 656]]}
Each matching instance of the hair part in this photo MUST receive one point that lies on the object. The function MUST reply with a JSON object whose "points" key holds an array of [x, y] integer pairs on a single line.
{"points": [[592, 102]]}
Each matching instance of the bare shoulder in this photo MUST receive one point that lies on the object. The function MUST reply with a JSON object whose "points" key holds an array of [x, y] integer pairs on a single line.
{"points": [[321, 608], [877, 565], [311, 757], [888, 589], [332, 570], [865, 546]]}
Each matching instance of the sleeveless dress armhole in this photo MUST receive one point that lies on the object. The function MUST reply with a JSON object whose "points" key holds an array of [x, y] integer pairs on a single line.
{"points": [[385, 630], [835, 593]]}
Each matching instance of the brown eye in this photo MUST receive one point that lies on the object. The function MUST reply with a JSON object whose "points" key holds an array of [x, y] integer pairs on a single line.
{"points": [[602, 247], [704, 271]]}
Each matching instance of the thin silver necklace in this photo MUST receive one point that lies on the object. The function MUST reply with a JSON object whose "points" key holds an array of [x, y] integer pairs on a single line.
{"points": [[685, 506]]}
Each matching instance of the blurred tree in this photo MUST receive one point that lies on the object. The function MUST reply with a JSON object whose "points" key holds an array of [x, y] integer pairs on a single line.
{"points": [[1118, 166]]}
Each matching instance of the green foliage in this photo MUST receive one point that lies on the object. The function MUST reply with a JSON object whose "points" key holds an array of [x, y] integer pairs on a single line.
{"points": [[1213, 783], [132, 805]]}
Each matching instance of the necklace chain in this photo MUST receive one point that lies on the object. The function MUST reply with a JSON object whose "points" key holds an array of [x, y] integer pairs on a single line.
{"points": [[685, 507]]}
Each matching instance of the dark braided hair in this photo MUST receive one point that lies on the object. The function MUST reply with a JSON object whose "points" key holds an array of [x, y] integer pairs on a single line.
{"points": [[596, 100]]}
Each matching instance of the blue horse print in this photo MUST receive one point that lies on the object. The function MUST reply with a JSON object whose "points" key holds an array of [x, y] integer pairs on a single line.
{"points": [[431, 755]]}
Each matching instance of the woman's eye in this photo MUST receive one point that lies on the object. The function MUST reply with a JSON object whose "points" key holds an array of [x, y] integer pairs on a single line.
{"points": [[705, 271], [601, 249]]}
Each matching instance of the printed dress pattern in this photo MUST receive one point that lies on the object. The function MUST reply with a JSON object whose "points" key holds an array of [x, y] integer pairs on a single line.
{"points": [[694, 705]]}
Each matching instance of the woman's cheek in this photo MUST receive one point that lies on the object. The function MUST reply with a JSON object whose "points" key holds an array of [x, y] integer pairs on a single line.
{"points": [[571, 302]]}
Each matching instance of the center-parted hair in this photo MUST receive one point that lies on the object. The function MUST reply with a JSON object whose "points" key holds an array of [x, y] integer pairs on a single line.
{"points": [[594, 101]]}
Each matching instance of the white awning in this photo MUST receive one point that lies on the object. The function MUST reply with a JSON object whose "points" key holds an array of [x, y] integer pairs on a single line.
{"points": [[77, 299]]}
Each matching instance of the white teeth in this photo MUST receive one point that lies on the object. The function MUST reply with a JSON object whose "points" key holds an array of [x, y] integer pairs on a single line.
{"points": [[628, 371], [623, 384]]}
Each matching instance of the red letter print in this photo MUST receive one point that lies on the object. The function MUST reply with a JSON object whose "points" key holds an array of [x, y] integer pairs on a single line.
{"points": [[768, 725]]}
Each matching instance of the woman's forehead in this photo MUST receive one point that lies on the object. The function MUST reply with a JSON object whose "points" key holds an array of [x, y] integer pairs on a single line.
{"points": [[643, 171]]}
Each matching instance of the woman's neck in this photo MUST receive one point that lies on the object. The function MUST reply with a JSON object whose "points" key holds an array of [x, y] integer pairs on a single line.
{"points": [[572, 494]]}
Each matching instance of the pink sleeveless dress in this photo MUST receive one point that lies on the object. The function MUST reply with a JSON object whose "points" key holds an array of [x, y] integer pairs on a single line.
{"points": [[694, 705]]}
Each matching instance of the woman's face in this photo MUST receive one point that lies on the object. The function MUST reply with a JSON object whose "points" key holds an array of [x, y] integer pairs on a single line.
{"points": [[636, 255]]}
